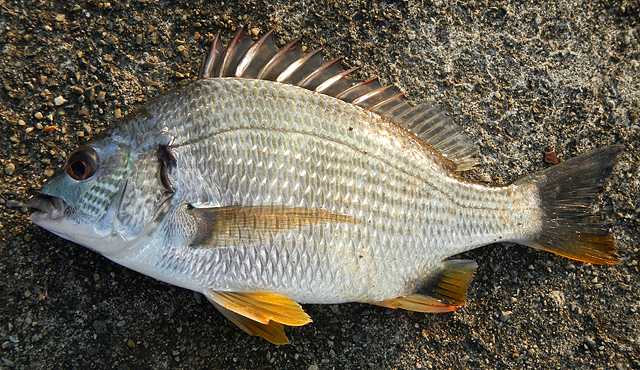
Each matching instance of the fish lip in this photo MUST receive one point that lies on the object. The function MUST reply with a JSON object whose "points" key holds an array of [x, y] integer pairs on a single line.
{"points": [[47, 206]]}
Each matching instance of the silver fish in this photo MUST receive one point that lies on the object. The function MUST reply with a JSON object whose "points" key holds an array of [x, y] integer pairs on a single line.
{"points": [[275, 180]]}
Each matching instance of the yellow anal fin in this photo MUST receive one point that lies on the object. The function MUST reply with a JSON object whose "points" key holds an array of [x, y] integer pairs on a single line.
{"points": [[446, 291], [240, 225], [273, 332], [417, 302], [262, 307]]}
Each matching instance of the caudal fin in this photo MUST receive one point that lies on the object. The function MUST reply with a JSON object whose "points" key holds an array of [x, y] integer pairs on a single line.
{"points": [[566, 192]]}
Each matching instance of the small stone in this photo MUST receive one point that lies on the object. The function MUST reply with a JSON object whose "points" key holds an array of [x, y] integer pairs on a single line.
{"points": [[49, 172], [27, 237], [12, 204], [9, 169], [21, 122], [84, 111], [90, 94], [38, 115], [7, 363], [121, 324], [255, 32], [204, 352], [13, 338], [6, 344], [27, 293], [505, 315], [590, 342], [60, 18], [101, 96], [131, 343], [59, 100], [557, 297], [117, 113], [551, 157]]}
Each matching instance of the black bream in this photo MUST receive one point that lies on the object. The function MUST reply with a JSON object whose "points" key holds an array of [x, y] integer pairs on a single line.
{"points": [[274, 180]]}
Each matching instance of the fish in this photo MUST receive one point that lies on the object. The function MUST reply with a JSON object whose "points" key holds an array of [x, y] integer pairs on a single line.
{"points": [[275, 179]]}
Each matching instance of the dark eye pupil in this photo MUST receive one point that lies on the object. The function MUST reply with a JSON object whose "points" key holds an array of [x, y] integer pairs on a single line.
{"points": [[82, 164], [78, 169]]}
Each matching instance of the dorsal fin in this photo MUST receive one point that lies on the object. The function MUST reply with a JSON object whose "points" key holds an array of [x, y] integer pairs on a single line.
{"points": [[262, 59]]}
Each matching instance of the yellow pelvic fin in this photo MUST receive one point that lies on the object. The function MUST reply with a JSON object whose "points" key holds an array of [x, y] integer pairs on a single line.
{"points": [[262, 307], [240, 225], [446, 291], [273, 332]]}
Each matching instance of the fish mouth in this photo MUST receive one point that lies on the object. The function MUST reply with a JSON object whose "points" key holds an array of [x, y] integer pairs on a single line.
{"points": [[47, 206]]}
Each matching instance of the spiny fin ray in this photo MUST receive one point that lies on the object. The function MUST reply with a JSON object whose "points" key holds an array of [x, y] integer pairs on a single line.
{"points": [[264, 60]]}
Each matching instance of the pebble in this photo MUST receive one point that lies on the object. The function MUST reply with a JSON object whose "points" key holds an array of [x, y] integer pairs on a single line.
{"points": [[590, 342], [90, 94], [7, 363], [121, 324], [49, 172], [12, 204], [557, 297], [131, 343], [9, 169], [59, 100], [505, 315], [38, 115]]}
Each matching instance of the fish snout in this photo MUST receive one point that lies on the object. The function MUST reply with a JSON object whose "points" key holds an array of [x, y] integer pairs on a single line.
{"points": [[47, 206]]}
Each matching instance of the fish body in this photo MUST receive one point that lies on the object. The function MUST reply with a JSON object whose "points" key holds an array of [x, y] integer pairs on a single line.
{"points": [[260, 193]]}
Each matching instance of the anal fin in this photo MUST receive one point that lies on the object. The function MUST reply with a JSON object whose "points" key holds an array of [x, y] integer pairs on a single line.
{"points": [[445, 292]]}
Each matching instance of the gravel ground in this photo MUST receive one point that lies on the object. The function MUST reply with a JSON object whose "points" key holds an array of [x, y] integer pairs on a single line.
{"points": [[522, 78]]}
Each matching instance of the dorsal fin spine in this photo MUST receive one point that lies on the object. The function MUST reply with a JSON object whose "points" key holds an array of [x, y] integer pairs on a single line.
{"points": [[370, 94], [333, 80], [276, 58], [264, 60], [295, 67], [250, 55]]}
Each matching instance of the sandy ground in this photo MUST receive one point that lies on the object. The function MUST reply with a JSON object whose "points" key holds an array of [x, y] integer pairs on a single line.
{"points": [[521, 78]]}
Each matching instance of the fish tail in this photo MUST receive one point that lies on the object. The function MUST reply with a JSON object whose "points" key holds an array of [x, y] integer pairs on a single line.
{"points": [[566, 192]]}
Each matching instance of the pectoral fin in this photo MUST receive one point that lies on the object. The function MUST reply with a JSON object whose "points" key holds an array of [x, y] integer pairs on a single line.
{"points": [[240, 225], [262, 307], [273, 332], [445, 292]]}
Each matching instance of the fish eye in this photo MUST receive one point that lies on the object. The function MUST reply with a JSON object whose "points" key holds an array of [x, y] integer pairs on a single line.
{"points": [[82, 163]]}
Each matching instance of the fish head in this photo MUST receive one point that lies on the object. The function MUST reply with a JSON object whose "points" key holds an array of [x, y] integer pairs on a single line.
{"points": [[81, 203]]}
